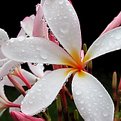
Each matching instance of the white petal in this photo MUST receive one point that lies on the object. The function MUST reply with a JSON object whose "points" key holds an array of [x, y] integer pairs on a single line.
{"points": [[63, 21], [1, 55], [21, 33], [108, 42], [36, 50], [37, 69], [3, 36], [8, 67], [17, 101], [91, 98], [3, 61], [44, 91], [27, 24], [30, 77], [42, 2]]}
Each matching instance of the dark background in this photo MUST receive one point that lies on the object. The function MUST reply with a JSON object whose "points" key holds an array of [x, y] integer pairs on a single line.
{"points": [[94, 17]]}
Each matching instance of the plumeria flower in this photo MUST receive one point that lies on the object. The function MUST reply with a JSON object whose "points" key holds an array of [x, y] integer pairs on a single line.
{"points": [[18, 116], [91, 98]]}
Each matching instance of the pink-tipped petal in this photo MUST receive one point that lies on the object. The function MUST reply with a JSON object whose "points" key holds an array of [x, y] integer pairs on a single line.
{"points": [[8, 67], [3, 36], [36, 50], [18, 116], [108, 42], [40, 27], [30, 77], [63, 21], [37, 69], [27, 24], [91, 99], [43, 93], [113, 24]]}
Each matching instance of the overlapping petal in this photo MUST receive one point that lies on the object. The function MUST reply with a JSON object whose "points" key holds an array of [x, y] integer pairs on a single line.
{"points": [[63, 21], [30, 77], [27, 24], [91, 98], [43, 93], [8, 67], [106, 43], [3, 36], [37, 69], [36, 50]]}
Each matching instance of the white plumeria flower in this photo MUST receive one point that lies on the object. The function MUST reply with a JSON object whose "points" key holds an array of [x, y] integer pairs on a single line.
{"points": [[92, 100]]}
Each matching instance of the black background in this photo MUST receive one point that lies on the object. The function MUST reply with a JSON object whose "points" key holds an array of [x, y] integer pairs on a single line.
{"points": [[93, 16]]}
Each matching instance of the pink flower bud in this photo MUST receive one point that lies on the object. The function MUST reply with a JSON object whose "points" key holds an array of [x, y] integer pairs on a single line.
{"points": [[18, 116]]}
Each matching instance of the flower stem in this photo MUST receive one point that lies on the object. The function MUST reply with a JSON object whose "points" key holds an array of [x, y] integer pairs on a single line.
{"points": [[64, 104]]}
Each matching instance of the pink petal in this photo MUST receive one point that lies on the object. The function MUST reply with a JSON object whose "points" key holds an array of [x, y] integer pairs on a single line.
{"points": [[18, 116], [113, 24], [40, 27]]}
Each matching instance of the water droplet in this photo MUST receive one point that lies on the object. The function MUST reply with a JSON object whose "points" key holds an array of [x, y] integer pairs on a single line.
{"points": [[63, 30], [100, 96], [33, 97], [78, 92], [105, 114], [49, 19], [117, 37], [60, 2], [43, 56], [82, 101], [82, 108], [1, 78], [30, 102], [23, 51]]}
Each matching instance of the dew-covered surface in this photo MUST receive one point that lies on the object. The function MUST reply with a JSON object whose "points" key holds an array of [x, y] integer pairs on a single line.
{"points": [[41, 91], [108, 42], [36, 50], [91, 99], [63, 21]]}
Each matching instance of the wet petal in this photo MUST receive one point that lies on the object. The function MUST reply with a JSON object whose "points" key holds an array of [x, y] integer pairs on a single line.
{"points": [[40, 27], [3, 61], [27, 24], [106, 43], [63, 21], [37, 69], [91, 98], [3, 36], [30, 77], [35, 50], [21, 33], [43, 93], [8, 67]]}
